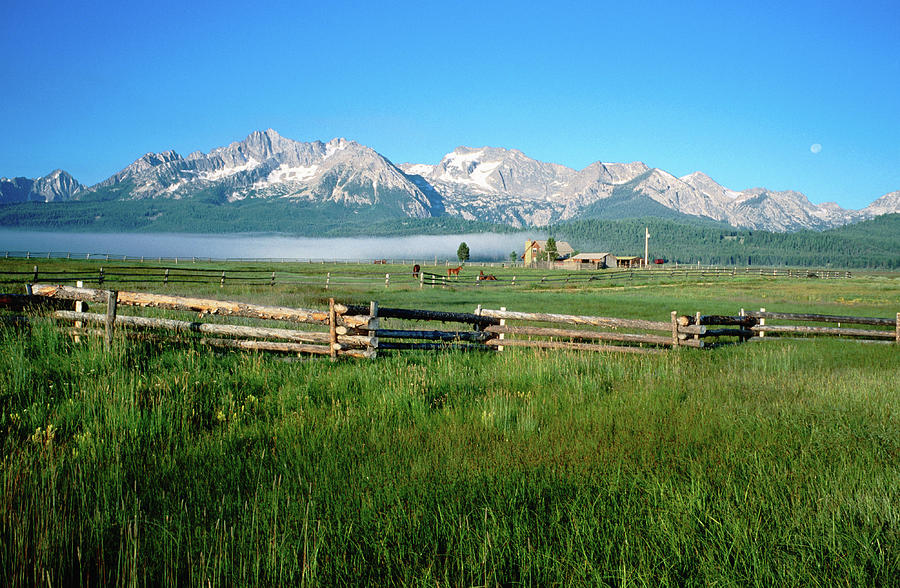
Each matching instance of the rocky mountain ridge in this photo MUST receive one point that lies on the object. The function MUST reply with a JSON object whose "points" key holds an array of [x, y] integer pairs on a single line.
{"points": [[488, 184], [55, 186]]}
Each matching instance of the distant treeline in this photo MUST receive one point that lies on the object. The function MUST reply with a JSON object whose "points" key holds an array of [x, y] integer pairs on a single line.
{"points": [[870, 244]]}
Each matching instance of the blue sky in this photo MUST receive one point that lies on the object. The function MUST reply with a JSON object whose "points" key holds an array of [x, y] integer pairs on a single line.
{"points": [[740, 91]]}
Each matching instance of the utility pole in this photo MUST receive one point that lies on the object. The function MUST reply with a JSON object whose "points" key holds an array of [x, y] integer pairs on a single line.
{"points": [[646, 246]]}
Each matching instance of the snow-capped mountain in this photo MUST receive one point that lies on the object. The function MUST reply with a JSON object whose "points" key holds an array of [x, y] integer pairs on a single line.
{"points": [[506, 186], [267, 165], [488, 184]]}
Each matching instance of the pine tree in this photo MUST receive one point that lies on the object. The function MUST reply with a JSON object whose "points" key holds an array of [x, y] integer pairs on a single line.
{"points": [[463, 252], [551, 251]]}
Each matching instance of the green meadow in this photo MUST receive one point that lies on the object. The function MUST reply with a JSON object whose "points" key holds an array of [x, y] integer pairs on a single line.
{"points": [[768, 463]]}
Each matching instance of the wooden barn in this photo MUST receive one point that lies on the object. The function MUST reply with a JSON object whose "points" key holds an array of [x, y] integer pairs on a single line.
{"points": [[630, 262], [592, 261]]}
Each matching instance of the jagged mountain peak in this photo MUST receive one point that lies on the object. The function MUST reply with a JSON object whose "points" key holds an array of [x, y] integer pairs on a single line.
{"points": [[698, 178], [151, 159], [889, 203], [58, 185], [614, 173], [710, 188], [485, 183]]}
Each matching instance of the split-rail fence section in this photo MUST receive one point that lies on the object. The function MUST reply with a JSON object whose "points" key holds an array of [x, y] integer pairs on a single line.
{"points": [[362, 331]]}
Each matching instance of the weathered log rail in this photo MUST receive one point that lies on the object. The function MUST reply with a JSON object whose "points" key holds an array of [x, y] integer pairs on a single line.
{"points": [[574, 339], [764, 328], [352, 344], [362, 331]]}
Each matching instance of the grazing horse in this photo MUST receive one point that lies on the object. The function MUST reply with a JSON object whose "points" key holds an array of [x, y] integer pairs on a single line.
{"points": [[453, 271], [483, 276]]}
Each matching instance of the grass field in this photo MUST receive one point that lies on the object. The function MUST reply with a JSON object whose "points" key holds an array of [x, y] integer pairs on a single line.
{"points": [[761, 464]]}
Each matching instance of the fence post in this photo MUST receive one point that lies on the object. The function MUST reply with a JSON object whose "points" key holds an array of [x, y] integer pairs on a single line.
{"points": [[897, 337], [387, 280], [373, 327], [502, 335], [327, 279], [112, 299], [332, 330], [674, 329], [421, 279], [762, 323], [100, 280], [514, 281], [79, 307], [166, 278], [34, 281], [222, 284], [272, 283], [697, 323]]}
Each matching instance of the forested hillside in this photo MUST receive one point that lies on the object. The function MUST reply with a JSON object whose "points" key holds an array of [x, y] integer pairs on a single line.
{"points": [[869, 244], [206, 215]]}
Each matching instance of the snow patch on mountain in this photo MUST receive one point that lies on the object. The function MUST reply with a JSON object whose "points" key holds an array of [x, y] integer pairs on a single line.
{"points": [[224, 172]]}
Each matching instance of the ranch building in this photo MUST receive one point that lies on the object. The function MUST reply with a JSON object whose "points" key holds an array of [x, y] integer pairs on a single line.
{"points": [[592, 261], [630, 262], [536, 251]]}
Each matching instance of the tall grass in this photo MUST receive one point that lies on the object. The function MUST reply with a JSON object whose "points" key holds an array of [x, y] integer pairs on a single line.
{"points": [[775, 463]]}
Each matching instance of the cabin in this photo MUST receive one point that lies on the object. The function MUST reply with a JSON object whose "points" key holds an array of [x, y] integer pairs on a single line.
{"points": [[536, 251], [629, 262], [592, 261]]}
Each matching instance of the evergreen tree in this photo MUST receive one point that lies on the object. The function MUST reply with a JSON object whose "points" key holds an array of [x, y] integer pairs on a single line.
{"points": [[463, 252], [551, 251]]}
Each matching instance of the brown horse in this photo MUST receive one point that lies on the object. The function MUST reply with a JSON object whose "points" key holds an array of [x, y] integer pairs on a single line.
{"points": [[416, 269], [453, 271], [483, 276]]}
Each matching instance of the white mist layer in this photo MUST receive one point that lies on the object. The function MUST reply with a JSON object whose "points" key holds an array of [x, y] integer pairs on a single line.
{"points": [[482, 246]]}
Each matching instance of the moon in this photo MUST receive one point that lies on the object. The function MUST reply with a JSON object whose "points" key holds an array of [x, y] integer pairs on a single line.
{"points": [[815, 148]]}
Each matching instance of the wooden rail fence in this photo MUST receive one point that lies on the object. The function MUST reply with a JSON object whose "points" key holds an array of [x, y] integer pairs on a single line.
{"points": [[168, 275], [360, 331], [872, 334], [331, 343]]}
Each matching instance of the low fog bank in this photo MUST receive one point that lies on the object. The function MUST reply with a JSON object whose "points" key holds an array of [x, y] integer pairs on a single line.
{"points": [[482, 246]]}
